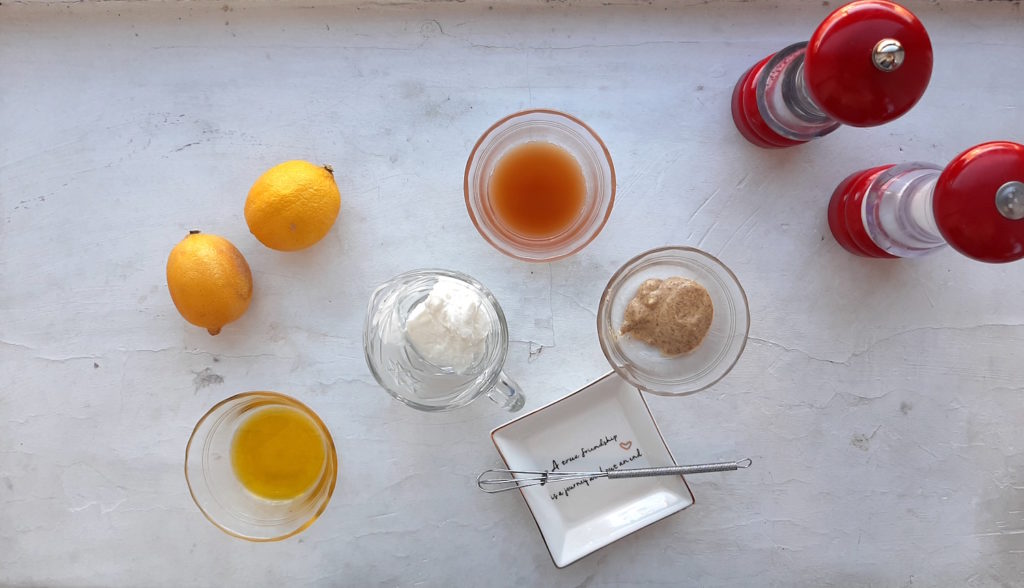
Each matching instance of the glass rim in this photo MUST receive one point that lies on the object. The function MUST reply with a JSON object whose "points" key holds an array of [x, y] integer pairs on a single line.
{"points": [[615, 282], [500, 245], [331, 466]]}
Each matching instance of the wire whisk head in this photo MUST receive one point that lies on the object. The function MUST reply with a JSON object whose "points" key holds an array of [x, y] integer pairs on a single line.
{"points": [[501, 480]]}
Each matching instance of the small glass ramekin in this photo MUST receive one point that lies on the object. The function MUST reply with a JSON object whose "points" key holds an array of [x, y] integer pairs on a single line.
{"points": [[645, 366], [221, 496], [566, 132]]}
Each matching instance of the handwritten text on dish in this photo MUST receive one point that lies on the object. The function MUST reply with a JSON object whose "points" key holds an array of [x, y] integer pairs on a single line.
{"points": [[605, 441]]}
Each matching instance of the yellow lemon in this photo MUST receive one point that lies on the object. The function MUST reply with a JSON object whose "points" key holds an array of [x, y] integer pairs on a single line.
{"points": [[293, 205], [209, 280]]}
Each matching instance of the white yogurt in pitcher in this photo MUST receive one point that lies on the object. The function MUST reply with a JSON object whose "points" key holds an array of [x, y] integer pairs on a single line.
{"points": [[450, 327]]}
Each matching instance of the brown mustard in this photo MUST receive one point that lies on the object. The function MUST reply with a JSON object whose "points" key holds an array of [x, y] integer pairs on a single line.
{"points": [[673, 315]]}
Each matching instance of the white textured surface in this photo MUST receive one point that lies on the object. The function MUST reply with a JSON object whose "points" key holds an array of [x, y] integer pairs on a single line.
{"points": [[882, 402]]}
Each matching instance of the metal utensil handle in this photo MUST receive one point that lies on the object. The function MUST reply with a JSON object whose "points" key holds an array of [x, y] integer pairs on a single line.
{"points": [[726, 466]]}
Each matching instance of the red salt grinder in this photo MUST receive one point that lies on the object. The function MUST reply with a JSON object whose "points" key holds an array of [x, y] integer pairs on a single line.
{"points": [[975, 205], [868, 63]]}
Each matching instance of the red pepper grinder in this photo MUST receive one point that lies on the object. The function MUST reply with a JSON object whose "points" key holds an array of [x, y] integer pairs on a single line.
{"points": [[868, 63], [975, 205]]}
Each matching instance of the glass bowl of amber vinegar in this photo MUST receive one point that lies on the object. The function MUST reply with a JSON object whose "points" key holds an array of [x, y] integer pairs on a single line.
{"points": [[539, 185], [261, 466]]}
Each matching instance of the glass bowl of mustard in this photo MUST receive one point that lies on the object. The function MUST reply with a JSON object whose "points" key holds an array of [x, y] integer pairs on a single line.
{"points": [[673, 321], [261, 466]]}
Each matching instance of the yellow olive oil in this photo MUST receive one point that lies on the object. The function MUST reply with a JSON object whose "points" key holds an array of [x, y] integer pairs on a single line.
{"points": [[278, 453]]}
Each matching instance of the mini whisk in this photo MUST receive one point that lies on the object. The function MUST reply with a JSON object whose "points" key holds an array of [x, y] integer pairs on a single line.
{"points": [[499, 480]]}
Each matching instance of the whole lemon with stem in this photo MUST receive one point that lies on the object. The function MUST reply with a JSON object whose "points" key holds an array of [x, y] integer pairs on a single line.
{"points": [[209, 280], [293, 205]]}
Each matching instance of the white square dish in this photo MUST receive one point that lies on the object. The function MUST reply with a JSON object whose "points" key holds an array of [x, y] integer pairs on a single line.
{"points": [[605, 425]]}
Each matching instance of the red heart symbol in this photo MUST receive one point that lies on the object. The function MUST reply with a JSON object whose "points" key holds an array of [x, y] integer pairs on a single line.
{"points": [[626, 445]]}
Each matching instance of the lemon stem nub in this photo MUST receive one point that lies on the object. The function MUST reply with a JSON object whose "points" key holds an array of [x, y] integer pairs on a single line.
{"points": [[329, 169], [194, 232]]}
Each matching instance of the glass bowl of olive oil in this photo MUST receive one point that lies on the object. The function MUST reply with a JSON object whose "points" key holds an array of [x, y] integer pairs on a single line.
{"points": [[261, 466]]}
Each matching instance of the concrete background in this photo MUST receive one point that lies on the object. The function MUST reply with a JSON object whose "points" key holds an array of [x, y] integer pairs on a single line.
{"points": [[882, 401]]}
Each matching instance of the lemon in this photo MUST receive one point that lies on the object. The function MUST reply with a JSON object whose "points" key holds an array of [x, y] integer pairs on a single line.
{"points": [[293, 205], [209, 280]]}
